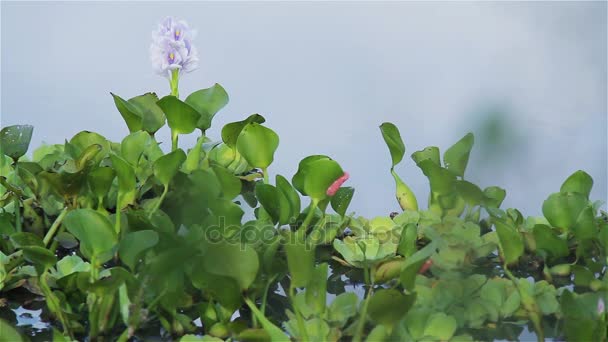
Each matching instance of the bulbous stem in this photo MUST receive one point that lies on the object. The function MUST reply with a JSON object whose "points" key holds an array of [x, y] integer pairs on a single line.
{"points": [[174, 82]]}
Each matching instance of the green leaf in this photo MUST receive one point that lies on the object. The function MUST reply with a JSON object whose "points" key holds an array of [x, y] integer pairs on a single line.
{"points": [[141, 112], [470, 192], [231, 131], [8, 333], [224, 290], [151, 116], [126, 181], [291, 195], [195, 155], [41, 257], [181, 117], [134, 244], [133, 145], [563, 209], [300, 258], [23, 239], [393, 140], [416, 322], [231, 185], [407, 241], [511, 243], [546, 239], [343, 307], [273, 202], [84, 140], [95, 233], [100, 180], [456, 157], [58, 336], [110, 281], [412, 265], [585, 225], [129, 113], [429, 153], [236, 261], [276, 334], [315, 175], [69, 265], [440, 179], [440, 326], [66, 240], [15, 140], [341, 200], [389, 306], [257, 145], [207, 102], [168, 165], [579, 182], [494, 196], [316, 290]]}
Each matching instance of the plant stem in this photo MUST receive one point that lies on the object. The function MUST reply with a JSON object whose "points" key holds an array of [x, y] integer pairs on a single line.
{"points": [[254, 319], [17, 202], [174, 82], [117, 222], [174, 137], [361, 323], [53, 304], [299, 318], [49, 235], [265, 172], [531, 309], [363, 318], [159, 201], [311, 212], [265, 295], [17, 206]]}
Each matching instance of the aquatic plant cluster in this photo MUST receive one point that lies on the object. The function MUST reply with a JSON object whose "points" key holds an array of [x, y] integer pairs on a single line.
{"points": [[123, 241]]}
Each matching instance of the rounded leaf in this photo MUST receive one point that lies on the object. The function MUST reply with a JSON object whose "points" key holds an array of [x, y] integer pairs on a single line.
{"points": [[236, 261], [563, 209], [181, 117], [257, 145], [511, 243], [388, 306], [207, 103], [579, 182], [15, 140], [168, 165], [94, 231], [440, 326], [134, 244], [231, 131]]}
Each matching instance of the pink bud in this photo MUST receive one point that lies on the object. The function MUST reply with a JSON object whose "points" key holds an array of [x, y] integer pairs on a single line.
{"points": [[333, 188], [425, 267]]}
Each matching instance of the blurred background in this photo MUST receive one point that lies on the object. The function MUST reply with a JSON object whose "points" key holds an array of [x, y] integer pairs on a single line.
{"points": [[528, 78]]}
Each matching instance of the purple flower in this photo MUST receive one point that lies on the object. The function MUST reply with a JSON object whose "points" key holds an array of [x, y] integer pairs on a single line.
{"points": [[172, 48], [601, 306]]}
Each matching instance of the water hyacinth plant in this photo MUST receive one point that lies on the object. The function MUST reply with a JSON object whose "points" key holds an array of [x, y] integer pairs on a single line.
{"points": [[120, 240]]}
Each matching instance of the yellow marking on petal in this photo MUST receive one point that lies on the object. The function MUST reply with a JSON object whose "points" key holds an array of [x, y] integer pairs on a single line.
{"points": [[177, 32], [171, 55]]}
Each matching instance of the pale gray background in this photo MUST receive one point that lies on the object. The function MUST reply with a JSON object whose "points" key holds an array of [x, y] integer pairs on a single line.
{"points": [[325, 75]]}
